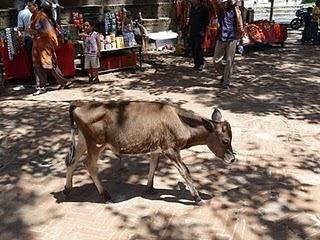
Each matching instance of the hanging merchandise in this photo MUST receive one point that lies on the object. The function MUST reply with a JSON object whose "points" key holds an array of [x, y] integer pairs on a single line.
{"points": [[10, 45], [110, 23], [119, 17], [2, 38], [106, 23], [114, 21], [77, 20]]}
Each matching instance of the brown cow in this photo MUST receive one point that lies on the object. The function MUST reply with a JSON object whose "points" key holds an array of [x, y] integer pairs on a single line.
{"points": [[136, 127]]}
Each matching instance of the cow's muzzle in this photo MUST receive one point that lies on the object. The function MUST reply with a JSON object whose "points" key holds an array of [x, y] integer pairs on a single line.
{"points": [[229, 157]]}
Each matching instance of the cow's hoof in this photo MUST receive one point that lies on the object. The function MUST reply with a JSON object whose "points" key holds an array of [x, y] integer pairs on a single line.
{"points": [[106, 196], [199, 201], [66, 191], [151, 191]]}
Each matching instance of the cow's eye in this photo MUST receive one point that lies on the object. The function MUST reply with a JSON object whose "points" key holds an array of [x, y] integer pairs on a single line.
{"points": [[225, 141]]}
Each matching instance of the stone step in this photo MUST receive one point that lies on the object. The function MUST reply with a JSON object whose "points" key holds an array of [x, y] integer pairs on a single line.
{"points": [[281, 14]]}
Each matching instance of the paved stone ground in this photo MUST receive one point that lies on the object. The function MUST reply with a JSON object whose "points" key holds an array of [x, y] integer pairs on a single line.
{"points": [[272, 192]]}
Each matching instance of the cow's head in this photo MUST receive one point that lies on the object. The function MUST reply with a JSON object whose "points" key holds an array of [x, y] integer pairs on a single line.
{"points": [[220, 137]]}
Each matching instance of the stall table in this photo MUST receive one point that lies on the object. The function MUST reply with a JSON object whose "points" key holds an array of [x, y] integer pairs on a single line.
{"points": [[19, 68], [118, 59]]}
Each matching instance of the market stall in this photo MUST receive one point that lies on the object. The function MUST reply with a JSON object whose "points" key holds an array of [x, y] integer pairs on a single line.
{"points": [[14, 60], [118, 49]]}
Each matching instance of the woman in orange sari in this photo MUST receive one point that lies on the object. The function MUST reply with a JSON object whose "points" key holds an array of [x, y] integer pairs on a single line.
{"points": [[45, 43]]}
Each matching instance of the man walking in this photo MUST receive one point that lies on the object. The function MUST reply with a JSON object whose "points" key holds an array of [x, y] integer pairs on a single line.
{"points": [[230, 31], [199, 21]]}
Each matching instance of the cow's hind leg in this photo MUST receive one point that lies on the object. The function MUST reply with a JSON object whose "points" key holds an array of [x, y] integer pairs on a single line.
{"points": [[154, 161], [91, 165], [72, 160], [175, 157]]}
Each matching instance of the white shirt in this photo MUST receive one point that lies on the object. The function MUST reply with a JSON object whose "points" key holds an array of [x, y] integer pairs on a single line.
{"points": [[24, 20]]}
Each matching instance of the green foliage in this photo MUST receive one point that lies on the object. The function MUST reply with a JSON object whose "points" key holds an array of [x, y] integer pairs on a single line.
{"points": [[308, 1]]}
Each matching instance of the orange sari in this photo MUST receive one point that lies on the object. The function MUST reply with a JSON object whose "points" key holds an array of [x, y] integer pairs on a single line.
{"points": [[45, 42]]}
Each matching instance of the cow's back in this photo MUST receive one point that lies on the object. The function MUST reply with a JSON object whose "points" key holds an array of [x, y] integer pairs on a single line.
{"points": [[132, 126]]}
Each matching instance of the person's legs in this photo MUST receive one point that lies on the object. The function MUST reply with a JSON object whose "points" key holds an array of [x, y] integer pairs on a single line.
{"points": [[95, 74], [230, 52], [28, 45], [304, 35], [57, 74], [87, 66], [194, 50], [198, 50], [219, 53], [95, 63], [314, 31], [41, 79], [307, 33], [91, 76]]}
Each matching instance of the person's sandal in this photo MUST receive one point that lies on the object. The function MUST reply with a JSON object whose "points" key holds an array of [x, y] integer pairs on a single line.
{"points": [[39, 91], [96, 80], [91, 80]]}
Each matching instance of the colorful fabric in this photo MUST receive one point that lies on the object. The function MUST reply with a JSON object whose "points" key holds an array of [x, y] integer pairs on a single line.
{"points": [[264, 32], [45, 41]]}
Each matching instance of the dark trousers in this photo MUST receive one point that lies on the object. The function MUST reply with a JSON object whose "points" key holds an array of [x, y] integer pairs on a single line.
{"points": [[196, 48], [307, 33], [42, 78], [28, 45], [314, 31]]}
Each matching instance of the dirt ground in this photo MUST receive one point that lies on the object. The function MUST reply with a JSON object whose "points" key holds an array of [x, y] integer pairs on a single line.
{"points": [[271, 192]]}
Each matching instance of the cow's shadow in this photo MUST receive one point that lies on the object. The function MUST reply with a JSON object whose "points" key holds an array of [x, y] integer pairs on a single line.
{"points": [[121, 192]]}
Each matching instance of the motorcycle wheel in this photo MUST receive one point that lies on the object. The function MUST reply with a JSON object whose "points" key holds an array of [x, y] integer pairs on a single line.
{"points": [[296, 23]]}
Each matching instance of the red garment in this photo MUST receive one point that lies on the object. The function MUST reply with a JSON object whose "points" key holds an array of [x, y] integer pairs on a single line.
{"points": [[65, 56]]}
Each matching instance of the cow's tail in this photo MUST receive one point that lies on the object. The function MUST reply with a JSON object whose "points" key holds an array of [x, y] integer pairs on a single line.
{"points": [[70, 156]]}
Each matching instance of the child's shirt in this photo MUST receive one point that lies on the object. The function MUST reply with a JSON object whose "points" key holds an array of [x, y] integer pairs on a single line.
{"points": [[91, 45]]}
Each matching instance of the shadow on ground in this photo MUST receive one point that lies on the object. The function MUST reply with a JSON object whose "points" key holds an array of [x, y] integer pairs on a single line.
{"points": [[34, 140]]}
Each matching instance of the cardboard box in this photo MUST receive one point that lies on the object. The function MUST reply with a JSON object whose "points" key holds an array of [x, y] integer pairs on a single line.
{"points": [[120, 42]]}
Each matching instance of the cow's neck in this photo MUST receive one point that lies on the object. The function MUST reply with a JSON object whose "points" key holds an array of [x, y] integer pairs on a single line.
{"points": [[198, 136]]}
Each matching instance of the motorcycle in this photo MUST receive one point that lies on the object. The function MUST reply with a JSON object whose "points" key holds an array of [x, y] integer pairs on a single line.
{"points": [[297, 22]]}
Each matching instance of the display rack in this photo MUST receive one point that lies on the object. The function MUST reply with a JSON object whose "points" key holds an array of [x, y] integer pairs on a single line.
{"points": [[117, 59]]}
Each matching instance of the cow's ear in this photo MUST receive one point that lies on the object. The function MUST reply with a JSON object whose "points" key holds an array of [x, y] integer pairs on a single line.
{"points": [[216, 116], [208, 125]]}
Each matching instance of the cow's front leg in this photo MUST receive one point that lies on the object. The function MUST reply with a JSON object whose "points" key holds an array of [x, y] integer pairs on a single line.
{"points": [[175, 157], [154, 161]]}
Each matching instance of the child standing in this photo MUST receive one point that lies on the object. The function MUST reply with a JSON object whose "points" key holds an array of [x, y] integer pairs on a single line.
{"points": [[91, 51]]}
